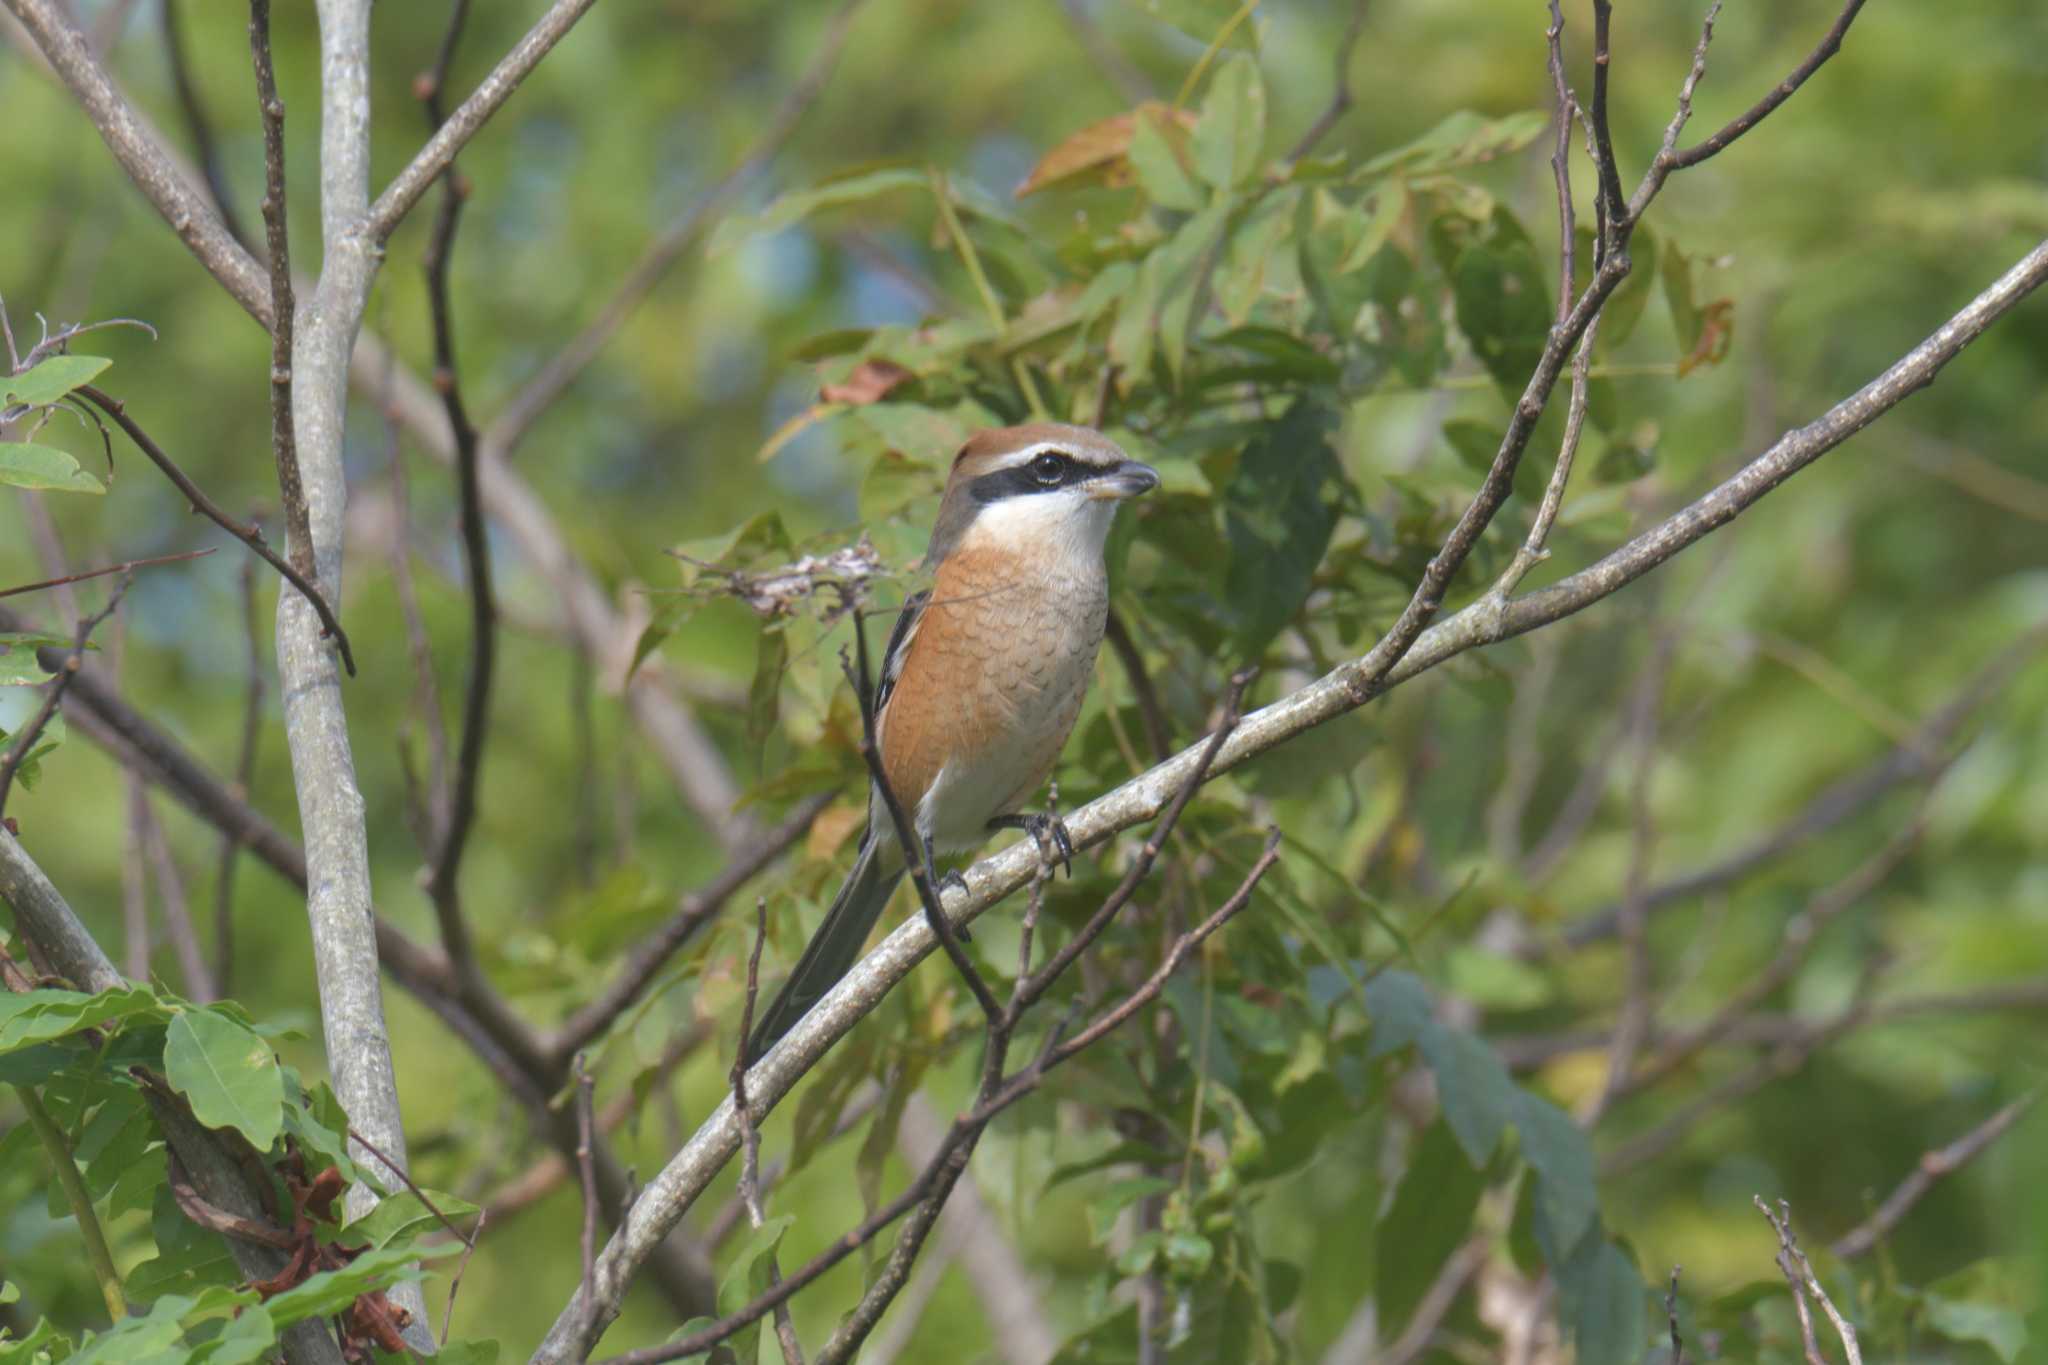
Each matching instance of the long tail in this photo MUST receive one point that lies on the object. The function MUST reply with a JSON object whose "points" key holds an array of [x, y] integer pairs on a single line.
{"points": [[837, 942]]}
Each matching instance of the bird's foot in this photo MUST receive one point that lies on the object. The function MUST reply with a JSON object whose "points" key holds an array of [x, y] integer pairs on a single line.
{"points": [[1049, 832]]}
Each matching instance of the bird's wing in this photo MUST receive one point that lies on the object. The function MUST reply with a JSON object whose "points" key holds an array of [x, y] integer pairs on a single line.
{"points": [[899, 646]]}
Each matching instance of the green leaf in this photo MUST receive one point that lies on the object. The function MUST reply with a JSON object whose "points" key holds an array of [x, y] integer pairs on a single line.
{"points": [[188, 1257], [1473, 1087], [1430, 1217], [1462, 139], [468, 1353], [44, 468], [1278, 514], [333, 1290], [794, 207], [1557, 1151], [764, 693], [18, 663], [39, 1016], [747, 1278], [1602, 1302], [248, 1336], [1156, 158], [403, 1214], [30, 769], [1503, 304], [228, 1073], [51, 379], [2003, 1329], [1231, 132]]}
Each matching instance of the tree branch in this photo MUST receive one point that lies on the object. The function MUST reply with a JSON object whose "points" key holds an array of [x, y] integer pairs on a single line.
{"points": [[250, 535], [468, 119], [1337, 693], [540, 392], [1942, 1161]]}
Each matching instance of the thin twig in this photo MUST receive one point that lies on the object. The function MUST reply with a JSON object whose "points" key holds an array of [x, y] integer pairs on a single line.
{"points": [[284, 443], [126, 566], [468, 119], [1799, 1276], [695, 909], [476, 1234], [586, 1170], [460, 800], [1932, 1166], [245, 774], [1671, 1317], [965, 1131], [250, 535], [540, 393], [750, 1135], [204, 145], [1341, 98], [25, 738], [199, 982], [1779, 93], [1157, 733]]}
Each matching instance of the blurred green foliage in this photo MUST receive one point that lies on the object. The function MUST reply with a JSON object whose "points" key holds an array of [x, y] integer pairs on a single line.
{"points": [[1379, 1060]]}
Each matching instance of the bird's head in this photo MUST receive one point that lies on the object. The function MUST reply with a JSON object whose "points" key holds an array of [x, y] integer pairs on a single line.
{"points": [[1043, 487]]}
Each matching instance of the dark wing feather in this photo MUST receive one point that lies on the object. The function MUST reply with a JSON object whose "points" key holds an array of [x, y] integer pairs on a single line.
{"points": [[899, 646]]}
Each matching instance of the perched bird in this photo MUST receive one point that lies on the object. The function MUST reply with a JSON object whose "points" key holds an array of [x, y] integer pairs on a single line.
{"points": [[985, 671]]}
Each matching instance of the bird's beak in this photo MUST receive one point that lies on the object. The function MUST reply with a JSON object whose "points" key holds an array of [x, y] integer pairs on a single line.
{"points": [[1127, 480]]}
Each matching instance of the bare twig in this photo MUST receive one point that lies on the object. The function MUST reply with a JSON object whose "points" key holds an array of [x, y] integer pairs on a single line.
{"points": [[750, 1138], [586, 1169], [197, 976], [1779, 93], [283, 440], [197, 124], [127, 566], [1638, 1006], [1800, 935], [696, 909], [250, 535], [1158, 734], [245, 772], [458, 804], [468, 119], [25, 738], [541, 392], [1671, 1317], [1917, 757], [1933, 1165], [1799, 1277], [959, 1141], [476, 1234], [1341, 98]]}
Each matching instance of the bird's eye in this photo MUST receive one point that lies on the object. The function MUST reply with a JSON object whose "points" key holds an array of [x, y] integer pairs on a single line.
{"points": [[1049, 468]]}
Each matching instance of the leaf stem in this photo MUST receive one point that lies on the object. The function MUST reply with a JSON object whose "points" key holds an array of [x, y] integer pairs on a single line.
{"points": [[1194, 76], [972, 260], [75, 1195]]}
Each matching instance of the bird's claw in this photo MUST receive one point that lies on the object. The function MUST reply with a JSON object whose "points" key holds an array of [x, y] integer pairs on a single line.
{"points": [[1045, 830]]}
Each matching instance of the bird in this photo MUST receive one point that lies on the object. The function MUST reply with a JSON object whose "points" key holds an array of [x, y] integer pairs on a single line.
{"points": [[984, 672]]}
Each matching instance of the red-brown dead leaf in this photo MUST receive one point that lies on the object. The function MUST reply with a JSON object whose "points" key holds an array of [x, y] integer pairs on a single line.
{"points": [[871, 381], [1717, 332], [1101, 151]]}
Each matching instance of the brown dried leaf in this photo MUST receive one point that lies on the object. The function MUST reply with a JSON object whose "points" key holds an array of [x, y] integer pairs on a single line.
{"points": [[871, 382], [1101, 151]]}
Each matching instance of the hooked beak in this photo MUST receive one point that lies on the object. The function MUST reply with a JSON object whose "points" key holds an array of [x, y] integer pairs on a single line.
{"points": [[1127, 480]]}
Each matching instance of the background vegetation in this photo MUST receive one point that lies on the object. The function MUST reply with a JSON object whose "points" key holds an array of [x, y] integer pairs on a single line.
{"points": [[1833, 715]]}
